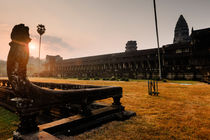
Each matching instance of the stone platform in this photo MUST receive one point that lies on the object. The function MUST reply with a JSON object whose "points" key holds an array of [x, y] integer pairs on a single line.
{"points": [[77, 124]]}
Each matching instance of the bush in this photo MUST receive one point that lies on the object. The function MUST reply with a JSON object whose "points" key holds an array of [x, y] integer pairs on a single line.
{"points": [[113, 78], [124, 79], [86, 78], [96, 78], [105, 78], [165, 80]]}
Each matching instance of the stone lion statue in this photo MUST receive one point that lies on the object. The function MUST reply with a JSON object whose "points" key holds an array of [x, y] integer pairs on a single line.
{"points": [[18, 58]]}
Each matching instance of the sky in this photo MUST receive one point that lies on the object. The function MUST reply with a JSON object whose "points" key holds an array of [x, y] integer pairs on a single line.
{"points": [[79, 28]]}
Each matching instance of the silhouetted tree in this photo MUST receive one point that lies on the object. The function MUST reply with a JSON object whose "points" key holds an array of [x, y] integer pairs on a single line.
{"points": [[41, 30]]}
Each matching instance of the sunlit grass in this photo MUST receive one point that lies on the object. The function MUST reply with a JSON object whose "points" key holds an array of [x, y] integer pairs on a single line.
{"points": [[179, 112], [8, 123]]}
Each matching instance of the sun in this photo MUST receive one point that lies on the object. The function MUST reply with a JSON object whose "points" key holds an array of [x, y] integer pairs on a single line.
{"points": [[32, 46]]}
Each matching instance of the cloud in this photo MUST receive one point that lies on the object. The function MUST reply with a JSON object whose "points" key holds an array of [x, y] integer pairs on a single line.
{"points": [[56, 41], [53, 43]]}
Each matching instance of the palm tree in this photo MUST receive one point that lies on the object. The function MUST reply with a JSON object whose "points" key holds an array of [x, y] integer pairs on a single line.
{"points": [[41, 30]]}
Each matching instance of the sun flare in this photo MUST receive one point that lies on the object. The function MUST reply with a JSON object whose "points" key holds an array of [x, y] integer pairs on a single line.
{"points": [[32, 46]]}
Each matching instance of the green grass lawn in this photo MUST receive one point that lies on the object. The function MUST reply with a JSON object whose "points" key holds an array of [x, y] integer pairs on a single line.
{"points": [[8, 123]]}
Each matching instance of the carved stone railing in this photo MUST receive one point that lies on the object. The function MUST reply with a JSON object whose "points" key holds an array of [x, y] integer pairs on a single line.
{"points": [[6, 94], [5, 83], [90, 92], [70, 94], [61, 86]]}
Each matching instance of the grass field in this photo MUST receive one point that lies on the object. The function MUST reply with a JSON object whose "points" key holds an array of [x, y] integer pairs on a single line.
{"points": [[8, 123], [181, 111]]}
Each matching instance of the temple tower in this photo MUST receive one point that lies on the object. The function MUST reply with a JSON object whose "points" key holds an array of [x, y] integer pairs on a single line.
{"points": [[181, 32], [131, 46]]}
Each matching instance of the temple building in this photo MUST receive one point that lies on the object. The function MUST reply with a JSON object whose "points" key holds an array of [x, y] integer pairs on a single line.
{"points": [[187, 58], [131, 46], [181, 32]]}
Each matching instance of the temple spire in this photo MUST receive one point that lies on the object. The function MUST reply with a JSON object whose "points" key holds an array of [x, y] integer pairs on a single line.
{"points": [[181, 32]]}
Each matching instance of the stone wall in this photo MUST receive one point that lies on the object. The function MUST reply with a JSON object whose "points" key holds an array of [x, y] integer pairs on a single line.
{"points": [[183, 61]]}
